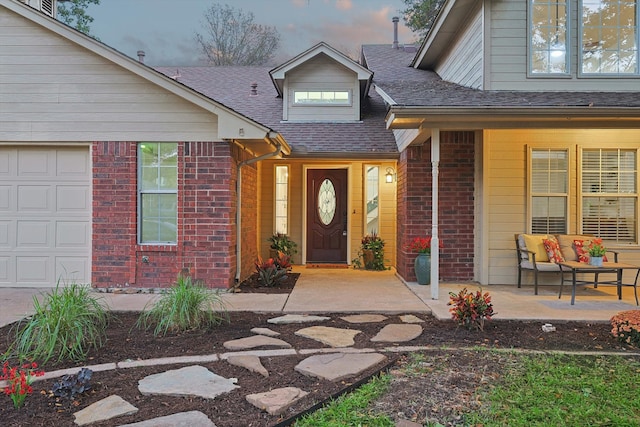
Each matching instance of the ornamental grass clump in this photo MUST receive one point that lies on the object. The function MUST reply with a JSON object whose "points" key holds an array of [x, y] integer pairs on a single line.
{"points": [[65, 326], [471, 309], [19, 379], [185, 306], [625, 326]]}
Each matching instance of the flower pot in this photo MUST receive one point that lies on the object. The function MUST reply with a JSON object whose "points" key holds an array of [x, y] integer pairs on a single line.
{"points": [[422, 266], [596, 261], [367, 258]]}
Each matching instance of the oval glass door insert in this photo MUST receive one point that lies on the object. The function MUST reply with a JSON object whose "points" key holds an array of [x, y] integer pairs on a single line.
{"points": [[327, 202]]}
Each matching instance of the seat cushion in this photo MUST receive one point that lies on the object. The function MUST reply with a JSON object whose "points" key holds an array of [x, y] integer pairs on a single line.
{"points": [[535, 244], [552, 247], [542, 266]]}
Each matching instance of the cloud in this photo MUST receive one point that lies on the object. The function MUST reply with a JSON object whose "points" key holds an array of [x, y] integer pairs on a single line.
{"points": [[344, 5]]}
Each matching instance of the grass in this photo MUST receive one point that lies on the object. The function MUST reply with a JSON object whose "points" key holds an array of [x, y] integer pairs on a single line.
{"points": [[185, 306], [67, 323], [350, 410], [565, 390]]}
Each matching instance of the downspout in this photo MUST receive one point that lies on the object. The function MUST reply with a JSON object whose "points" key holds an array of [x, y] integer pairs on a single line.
{"points": [[275, 153]]}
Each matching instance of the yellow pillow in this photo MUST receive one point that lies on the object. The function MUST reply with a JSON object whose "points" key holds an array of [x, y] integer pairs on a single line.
{"points": [[534, 243]]}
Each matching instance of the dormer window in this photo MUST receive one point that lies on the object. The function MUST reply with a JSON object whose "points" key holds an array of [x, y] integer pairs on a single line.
{"points": [[322, 97]]}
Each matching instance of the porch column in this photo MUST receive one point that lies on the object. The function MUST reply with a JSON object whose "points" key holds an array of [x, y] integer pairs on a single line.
{"points": [[435, 247]]}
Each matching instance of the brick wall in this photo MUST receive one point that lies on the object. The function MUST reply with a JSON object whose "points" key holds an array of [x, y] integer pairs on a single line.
{"points": [[206, 218], [456, 205]]}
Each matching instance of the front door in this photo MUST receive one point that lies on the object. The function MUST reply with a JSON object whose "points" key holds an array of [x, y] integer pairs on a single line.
{"points": [[327, 215]]}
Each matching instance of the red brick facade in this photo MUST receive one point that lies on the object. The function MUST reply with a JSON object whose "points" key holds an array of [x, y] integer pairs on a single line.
{"points": [[206, 246], [456, 205]]}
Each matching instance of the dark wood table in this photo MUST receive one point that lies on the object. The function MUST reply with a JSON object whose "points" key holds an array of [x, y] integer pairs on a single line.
{"points": [[607, 267]]}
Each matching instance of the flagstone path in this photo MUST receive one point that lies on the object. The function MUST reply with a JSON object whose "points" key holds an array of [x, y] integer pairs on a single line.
{"points": [[337, 363]]}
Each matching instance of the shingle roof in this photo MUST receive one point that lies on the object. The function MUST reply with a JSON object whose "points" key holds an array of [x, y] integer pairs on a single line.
{"points": [[231, 86], [408, 86]]}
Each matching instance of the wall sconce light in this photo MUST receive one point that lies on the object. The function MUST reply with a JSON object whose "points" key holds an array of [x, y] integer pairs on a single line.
{"points": [[390, 176]]}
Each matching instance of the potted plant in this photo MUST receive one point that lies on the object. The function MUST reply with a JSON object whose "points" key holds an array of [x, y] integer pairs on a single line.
{"points": [[372, 252], [422, 263], [280, 243], [596, 252]]}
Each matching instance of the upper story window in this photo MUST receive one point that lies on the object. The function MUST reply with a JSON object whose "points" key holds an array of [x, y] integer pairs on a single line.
{"points": [[322, 97], [157, 192], [609, 36], [548, 33]]}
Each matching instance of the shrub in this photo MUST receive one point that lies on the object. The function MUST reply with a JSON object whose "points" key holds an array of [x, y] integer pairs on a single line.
{"points": [[67, 323], [470, 310], [71, 385], [626, 327], [274, 270], [282, 243], [185, 306]]}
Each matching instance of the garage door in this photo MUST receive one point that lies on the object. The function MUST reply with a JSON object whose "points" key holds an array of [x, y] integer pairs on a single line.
{"points": [[45, 216]]}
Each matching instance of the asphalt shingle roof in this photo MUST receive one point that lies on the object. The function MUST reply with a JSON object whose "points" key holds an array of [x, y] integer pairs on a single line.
{"points": [[408, 86], [231, 86]]}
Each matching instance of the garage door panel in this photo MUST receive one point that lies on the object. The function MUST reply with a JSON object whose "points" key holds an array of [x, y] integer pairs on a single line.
{"points": [[72, 198], [5, 198], [45, 215], [35, 163], [72, 270], [34, 198], [33, 269], [72, 234], [33, 234]]}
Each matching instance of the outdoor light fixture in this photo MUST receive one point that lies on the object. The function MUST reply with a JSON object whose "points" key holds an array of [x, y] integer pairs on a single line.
{"points": [[390, 176]]}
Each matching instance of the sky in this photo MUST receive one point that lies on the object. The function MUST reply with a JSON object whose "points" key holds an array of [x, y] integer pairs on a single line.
{"points": [[165, 29]]}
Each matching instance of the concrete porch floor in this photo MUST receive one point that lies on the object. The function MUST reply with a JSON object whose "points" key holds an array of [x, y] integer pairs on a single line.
{"points": [[321, 290]]}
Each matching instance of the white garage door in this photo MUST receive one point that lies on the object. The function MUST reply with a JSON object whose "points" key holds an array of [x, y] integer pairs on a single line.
{"points": [[45, 216]]}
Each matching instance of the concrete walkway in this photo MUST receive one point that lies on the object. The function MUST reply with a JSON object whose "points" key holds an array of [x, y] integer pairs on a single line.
{"points": [[321, 290]]}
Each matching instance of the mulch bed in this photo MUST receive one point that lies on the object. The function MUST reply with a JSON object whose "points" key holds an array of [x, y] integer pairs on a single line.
{"points": [[125, 341]]}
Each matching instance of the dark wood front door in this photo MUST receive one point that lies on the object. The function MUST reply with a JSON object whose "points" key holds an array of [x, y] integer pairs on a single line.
{"points": [[327, 215]]}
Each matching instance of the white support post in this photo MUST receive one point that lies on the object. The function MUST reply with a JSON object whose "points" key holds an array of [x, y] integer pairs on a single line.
{"points": [[435, 246]]}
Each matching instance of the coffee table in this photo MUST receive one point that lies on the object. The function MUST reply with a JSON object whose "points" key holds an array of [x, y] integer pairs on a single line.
{"points": [[607, 267]]}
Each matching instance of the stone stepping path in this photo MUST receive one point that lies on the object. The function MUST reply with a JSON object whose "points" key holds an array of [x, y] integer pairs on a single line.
{"points": [[338, 366], [189, 381], [276, 401], [334, 337], [196, 380]]}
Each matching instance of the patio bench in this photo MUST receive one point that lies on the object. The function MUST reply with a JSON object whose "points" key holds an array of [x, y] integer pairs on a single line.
{"points": [[534, 256]]}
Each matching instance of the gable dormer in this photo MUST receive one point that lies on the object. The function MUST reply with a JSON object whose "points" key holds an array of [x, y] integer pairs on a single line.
{"points": [[321, 84]]}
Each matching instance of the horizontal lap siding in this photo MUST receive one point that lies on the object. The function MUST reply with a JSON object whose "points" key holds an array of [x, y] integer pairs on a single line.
{"points": [[54, 90], [463, 64]]}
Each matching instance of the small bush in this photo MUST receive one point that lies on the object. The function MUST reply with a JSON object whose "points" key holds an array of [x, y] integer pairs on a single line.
{"points": [[183, 307], [471, 310], [626, 327], [274, 270], [67, 323], [70, 386]]}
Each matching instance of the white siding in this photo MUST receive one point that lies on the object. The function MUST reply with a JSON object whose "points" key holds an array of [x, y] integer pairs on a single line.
{"points": [[463, 63], [508, 61], [322, 73], [54, 90], [505, 189]]}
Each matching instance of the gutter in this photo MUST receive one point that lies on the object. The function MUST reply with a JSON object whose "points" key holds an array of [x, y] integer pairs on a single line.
{"points": [[280, 145]]}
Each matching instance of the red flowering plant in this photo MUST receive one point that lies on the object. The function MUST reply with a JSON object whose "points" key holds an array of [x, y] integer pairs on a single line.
{"points": [[596, 248], [471, 309], [18, 380], [422, 245]]}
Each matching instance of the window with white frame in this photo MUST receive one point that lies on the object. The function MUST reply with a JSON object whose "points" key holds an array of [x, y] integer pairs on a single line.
{"points": [[549, 190], [282, 199], [609, 36], [609, 194], [322, 97], [157, 193], [372, 197], [548, 33]]}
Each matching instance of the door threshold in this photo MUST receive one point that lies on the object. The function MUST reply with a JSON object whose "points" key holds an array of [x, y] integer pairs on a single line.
{"points": [[326, 265]]}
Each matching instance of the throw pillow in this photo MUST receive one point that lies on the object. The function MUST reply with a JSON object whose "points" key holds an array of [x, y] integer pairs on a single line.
{"points": [[552, 247], [582, 250], [535, 244]]}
